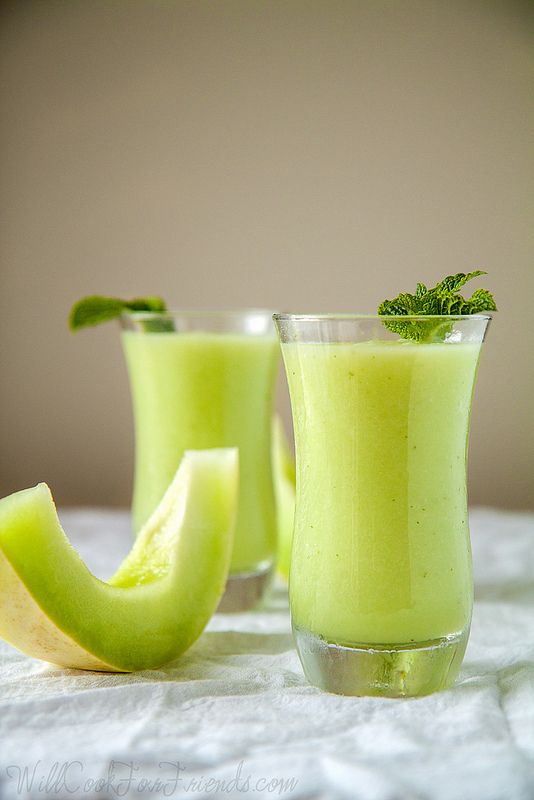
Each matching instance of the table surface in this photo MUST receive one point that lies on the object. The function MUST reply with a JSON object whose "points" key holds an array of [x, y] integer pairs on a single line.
{"points": [[237, 709]]}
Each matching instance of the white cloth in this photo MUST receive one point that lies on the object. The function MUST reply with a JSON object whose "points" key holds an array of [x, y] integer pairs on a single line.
{"points": [[237, 706]]}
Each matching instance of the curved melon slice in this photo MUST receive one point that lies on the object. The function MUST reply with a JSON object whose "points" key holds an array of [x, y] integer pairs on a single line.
{"points": [[154, 607], [284, 491]]}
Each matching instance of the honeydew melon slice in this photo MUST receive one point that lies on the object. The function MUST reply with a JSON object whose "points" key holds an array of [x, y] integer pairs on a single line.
{"points": [[159, 600], [284, 492]]}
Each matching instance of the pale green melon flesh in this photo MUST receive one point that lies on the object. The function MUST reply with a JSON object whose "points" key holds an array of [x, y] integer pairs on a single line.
{"points": [[158, 602]]}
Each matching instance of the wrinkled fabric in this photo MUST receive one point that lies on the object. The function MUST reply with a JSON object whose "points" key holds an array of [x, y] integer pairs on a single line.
{"points": [[234, 716]]}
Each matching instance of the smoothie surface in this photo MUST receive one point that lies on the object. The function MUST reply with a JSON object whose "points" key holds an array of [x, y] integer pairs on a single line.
{"points": [[197, 390], [381, 545]]}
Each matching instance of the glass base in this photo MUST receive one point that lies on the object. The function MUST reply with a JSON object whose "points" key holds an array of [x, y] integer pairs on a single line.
{"points": [[244, 590], [396, 670]]}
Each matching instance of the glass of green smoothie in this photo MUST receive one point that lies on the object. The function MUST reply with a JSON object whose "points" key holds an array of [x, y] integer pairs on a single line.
{"points": [[381, 584], [200, 380]]}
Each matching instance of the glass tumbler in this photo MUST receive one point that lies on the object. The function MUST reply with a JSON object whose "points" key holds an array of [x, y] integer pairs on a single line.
{"points": [[200, 380], [381, 585]]}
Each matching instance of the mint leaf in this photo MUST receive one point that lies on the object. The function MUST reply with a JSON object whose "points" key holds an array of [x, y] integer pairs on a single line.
{"points": [[453, 283], [96, 309], [443, 300], [421, 290], [481, 300]]}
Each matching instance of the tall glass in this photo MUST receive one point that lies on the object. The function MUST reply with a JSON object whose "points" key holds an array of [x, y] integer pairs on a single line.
{"points": [[201, 380], [380, 584]]}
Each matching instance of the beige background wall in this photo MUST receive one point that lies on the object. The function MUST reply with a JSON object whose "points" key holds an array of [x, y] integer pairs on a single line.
{"points": [[295, 154]]}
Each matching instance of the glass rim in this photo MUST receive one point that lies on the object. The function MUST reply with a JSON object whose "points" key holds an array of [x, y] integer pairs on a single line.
{"points": [[348, 317], [198, 312]]}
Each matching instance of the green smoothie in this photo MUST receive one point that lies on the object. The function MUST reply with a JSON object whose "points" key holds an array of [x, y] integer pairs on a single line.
{"points": [[381, 549], [199, 390]]}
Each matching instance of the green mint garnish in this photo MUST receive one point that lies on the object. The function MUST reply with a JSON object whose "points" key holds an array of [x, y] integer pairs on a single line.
{"points": [[443, 300], [96, 309]]}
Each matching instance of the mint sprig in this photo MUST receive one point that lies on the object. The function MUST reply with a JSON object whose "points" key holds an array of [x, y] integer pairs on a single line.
{"points": [[96, 309], [443, 301]]}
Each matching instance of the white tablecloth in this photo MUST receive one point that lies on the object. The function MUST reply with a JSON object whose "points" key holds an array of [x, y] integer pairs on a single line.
{"points": [[236, 707]]}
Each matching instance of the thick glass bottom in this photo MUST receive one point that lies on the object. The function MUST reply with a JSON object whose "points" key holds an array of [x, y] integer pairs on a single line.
{"points": [[396, 670], [244, 590]]}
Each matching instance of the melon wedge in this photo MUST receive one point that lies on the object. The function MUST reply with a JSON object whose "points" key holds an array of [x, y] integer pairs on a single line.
{"points": [[284, 492], [157, 603]]}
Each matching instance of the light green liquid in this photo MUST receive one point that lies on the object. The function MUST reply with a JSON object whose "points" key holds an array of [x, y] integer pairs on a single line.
{"points": [[381, 549], [202, 390]]}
